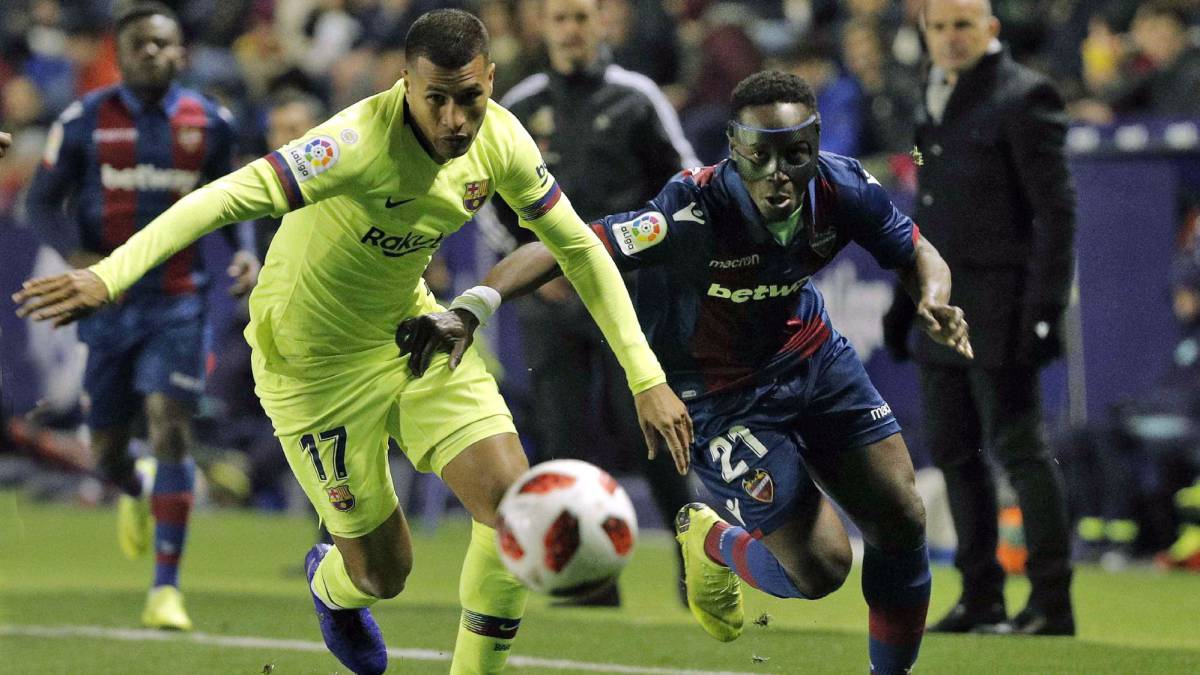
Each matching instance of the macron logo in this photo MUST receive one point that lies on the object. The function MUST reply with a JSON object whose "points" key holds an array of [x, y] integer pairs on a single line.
{"points": [[394, 246], [762, 292]]}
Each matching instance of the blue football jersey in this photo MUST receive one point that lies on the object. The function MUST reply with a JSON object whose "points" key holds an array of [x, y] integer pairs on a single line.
{"points": [[720, 299], [113, 163]]}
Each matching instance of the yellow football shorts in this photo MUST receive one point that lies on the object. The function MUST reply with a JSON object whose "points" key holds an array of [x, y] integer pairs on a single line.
{"points": [[335, 428]]}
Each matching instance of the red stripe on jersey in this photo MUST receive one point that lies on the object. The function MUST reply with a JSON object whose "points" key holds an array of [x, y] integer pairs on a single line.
{"points": [[598, 228], [807, 339], [189, 136], [116, 151], [916, 234]]}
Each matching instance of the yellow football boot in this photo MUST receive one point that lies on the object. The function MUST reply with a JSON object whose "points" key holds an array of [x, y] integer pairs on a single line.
{"points": [[164, 609], [135, 527], [714, 592]]}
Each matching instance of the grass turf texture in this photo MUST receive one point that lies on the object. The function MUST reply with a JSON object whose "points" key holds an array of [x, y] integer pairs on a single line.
{"points": [[60, 566]]}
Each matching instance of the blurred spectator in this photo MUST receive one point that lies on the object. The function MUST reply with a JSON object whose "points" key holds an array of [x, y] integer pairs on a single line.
{"points": [[610, 138], [888, 90], [331, 32], [642, 39], [839, 99], [497, 16], [725, 55], [20, 112], [1171, 82]]}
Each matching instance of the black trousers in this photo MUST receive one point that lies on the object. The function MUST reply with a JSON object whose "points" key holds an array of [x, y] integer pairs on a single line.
{"points": [[967, 410]]}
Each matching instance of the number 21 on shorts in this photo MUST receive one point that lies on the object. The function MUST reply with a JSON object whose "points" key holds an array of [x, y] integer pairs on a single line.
{"points": [[721, 450]]}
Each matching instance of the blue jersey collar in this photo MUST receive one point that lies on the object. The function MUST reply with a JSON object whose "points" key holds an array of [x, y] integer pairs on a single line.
{"points": [[731, 181]]}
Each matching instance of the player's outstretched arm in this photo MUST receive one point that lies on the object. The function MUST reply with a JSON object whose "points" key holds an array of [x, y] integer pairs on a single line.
{"points": [[927, 281], [662, 416], [62, 298], [242, 195]]}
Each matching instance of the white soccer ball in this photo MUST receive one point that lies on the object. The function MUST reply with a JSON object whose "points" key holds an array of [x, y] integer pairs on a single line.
{"points": [[565, 527]]}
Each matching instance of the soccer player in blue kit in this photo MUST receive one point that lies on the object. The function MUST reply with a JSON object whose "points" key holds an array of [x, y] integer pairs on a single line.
{"points": [[116, 159], [778, 397]]}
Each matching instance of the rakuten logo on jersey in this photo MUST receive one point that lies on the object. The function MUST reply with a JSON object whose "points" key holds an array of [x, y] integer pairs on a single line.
{"points": [[762, 292], [148, 177], [394, 246]]}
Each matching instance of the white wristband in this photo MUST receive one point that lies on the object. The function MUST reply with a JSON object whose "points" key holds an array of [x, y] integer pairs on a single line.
{"points": [[481, 301]]}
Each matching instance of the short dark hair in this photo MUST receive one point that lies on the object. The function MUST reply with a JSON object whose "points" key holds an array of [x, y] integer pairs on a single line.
{"points": [[771, 86], [450, 38], [144, 8]]}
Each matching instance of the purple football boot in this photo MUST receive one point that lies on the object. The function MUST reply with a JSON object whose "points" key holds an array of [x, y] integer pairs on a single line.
{"points": [[351, 634]]}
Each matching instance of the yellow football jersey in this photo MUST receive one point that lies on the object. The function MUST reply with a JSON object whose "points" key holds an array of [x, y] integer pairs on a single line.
{"points": [[366, 208], [371, 208]]}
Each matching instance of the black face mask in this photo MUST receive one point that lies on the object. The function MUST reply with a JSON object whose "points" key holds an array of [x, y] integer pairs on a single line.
{"points": [[760, 153]]}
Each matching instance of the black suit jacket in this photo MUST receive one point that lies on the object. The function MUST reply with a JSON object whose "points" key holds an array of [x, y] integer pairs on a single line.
{"points": [[996, 199]]}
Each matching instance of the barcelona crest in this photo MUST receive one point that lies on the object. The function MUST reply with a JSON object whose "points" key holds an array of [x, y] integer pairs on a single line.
{"points": [[760, 486], [341, 497], [475, 194]]}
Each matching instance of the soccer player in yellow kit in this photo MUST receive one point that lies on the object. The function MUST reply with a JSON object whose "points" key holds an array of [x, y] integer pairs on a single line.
{"points": [[369, 196]]}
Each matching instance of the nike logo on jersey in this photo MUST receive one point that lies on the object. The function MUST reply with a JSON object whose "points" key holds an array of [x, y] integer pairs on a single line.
{"points": [[394, 246], [391, 204]]}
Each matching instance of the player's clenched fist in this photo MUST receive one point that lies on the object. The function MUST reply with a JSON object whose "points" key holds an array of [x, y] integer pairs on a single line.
{"points": [[63, 298]]}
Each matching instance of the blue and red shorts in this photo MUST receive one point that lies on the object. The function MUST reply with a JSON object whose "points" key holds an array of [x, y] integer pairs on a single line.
{"points": [[142, 346], [751, 442]]}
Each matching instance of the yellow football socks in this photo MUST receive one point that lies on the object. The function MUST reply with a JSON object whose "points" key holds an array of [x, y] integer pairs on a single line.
{"points": [[333, 586], [493, 602]]}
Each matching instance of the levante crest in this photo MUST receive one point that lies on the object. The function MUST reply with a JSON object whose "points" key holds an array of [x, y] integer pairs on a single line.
{"points": [[760, 486]]}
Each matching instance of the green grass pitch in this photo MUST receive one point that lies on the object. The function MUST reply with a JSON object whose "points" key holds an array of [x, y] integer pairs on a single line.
{"points": [[66, 594]]}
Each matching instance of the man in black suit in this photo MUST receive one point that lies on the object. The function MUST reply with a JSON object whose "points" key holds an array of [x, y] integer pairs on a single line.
{"points": [[995, 197]]}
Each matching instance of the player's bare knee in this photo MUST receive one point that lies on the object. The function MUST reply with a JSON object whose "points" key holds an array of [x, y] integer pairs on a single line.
{"points": [[386, 582], [908, 527], [485, 510], [824, 573]]}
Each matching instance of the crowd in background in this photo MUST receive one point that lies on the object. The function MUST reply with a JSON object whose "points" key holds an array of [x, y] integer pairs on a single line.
{"points": [[864, 58]]}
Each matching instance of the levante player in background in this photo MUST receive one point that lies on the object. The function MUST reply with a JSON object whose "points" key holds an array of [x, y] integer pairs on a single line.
{"points": [[117, 159], [369, 196]]}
